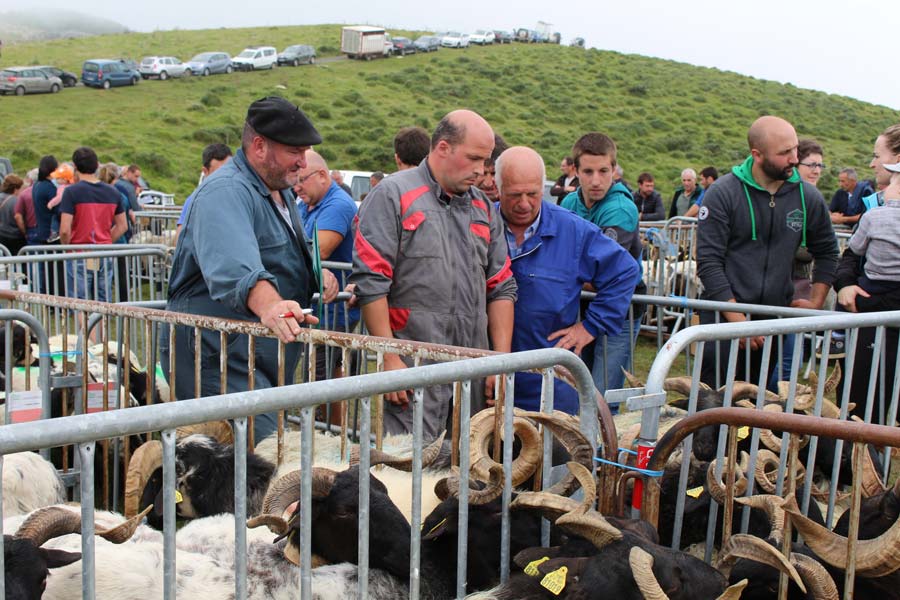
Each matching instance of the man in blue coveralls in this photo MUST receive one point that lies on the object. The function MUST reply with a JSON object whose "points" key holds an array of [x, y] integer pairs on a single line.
{"points": [[242, 255], [554, 254]]}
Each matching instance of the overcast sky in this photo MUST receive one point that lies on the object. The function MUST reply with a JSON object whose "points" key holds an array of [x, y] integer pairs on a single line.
{"points": [[841, 48]]}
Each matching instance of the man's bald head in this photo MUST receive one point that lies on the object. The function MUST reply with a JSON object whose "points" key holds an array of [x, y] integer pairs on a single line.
{"points": [[520, 179], [456, 125], [314, 161], [773, 145], [460, 145], [520, 163], [765, 129], [314, 179]]}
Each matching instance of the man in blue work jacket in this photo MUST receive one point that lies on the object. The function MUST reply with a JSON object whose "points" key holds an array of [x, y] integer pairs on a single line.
{"points": [[554, 254], [242, 254]]}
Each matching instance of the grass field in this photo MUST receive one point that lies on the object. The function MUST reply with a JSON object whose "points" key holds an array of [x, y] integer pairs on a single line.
{"points": [[664, 115]]}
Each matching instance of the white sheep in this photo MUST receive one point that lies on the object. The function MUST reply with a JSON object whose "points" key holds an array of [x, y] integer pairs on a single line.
{"points": [[29, 483]]}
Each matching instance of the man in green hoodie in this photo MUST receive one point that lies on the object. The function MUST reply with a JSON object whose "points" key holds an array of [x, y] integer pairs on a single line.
{"points": [[610, 206], [751, 224]]}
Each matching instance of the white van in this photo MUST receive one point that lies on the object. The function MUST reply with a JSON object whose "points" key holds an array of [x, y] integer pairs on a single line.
{"points": [[255, 57]]}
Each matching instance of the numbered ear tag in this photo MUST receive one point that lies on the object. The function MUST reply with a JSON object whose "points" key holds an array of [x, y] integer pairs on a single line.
{"points": [[178, 497], [743, 432], [555, 581], [532, 567], [694, 492]]}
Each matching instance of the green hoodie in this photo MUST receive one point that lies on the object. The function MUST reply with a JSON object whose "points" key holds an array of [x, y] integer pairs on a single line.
{"points": [[744, 172]]}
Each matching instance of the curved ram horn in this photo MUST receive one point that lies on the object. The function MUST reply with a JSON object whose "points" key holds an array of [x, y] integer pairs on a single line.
{"points": [[641, 563], [875, 557], [767, 470], [870, 479], [286, 490], [743, 545], [682, 385], [584, 521], [220, 431], [481, 430], [378, 457], [832, 382], [817, 579], [716, 488], [551, 506], [631, 379], [53, 521], [733, 592], [493, 489], [771, 505], [743, 390], [275, 523], [144, 461], [566, 428]]}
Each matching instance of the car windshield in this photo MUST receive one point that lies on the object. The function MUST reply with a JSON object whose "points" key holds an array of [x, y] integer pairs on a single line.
{"points": [[8, 73], [202, 57], [453, 34], [148, 61], [294, 49], [247, 54], [91, 67]]}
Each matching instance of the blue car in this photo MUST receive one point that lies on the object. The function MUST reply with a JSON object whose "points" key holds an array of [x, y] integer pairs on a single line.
{"points": [[106, 73], [210, 63]]}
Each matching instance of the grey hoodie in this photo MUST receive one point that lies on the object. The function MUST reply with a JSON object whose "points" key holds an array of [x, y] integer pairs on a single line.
{"points": [[731, 264]]}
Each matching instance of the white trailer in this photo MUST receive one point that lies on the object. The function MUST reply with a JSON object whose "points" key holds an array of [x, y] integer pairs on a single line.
{"points": [[364, 41]]}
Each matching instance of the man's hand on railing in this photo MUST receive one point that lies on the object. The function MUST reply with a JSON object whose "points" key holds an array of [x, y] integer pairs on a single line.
{"points": [[330, 287]]}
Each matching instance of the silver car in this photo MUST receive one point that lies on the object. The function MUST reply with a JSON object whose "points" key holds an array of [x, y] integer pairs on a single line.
{"points": [[210, 63], [163, 67], [28, 80]]}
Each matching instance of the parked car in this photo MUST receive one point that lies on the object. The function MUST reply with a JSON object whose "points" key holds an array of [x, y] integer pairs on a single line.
{"points": [[68, 79], [208, 63], [482, 37], [359, 183], [427, 43], [28, 80], [403, 46], [254, 58], [577, 42], [106, 73], [502, 37], [455, 40], [163, 67], [297, 55]]}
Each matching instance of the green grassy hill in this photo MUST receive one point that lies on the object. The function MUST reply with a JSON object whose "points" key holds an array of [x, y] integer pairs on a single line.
{"points": [[664, 115]]}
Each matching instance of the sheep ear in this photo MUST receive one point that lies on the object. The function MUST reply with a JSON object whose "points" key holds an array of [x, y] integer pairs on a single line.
{"points": [[59, 558]]}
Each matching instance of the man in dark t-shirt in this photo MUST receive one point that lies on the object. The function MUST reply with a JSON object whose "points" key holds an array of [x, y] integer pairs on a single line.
{"points": [[90, 213]]}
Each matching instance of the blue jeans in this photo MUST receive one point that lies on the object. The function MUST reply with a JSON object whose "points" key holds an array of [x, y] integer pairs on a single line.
{"points": [[90, 279], [608, 374], [787, 360]]}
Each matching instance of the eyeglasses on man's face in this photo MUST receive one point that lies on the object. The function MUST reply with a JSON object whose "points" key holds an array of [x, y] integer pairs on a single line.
{"points": [[302, 180], [813, 165]]}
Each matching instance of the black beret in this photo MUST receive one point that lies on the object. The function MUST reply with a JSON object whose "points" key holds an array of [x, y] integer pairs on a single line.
{"points": [[283, 122]]}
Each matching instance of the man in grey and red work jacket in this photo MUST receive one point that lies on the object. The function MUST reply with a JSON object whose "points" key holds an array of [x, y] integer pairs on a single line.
{"points": [[430, 262]]}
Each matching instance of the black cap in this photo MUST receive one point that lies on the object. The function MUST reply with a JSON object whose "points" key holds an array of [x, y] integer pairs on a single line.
{"points": [[283, 122]]}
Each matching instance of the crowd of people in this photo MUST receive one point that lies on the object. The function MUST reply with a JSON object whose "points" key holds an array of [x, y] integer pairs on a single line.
{"points": [[458, 247]]}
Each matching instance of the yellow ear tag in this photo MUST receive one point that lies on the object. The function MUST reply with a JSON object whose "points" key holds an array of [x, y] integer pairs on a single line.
{"points": [[555, 581], [694, 492], [531, 568], [178, 497], [743, 432], [444, 520]]}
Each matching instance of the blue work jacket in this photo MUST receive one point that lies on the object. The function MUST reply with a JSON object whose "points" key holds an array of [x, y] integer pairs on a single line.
{"points": [[565, 253]]}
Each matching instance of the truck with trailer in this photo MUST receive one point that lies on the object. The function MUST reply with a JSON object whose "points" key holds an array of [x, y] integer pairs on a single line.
{"points": [[364, 42]]}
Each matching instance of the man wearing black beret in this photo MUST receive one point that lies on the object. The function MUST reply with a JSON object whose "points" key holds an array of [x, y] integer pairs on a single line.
{"points": [[242, 254]]}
